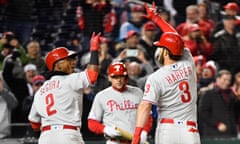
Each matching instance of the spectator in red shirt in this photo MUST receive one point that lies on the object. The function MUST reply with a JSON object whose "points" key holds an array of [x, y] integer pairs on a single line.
{"points": [[192, 17], [199, 61], [197, 42], [204, 18]]}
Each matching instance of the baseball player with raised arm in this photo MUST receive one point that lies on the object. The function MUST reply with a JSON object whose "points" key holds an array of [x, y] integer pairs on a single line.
{"points": [[114, 109], [173, 88], [57, 105]]}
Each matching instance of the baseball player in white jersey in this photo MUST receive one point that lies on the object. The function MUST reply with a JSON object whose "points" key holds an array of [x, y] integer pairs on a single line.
{"points": [[57, 105], [116, 107], [172, 88]]}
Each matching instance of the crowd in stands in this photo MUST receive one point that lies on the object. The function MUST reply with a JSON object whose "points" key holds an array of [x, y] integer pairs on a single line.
{"points": [[30, 28]]}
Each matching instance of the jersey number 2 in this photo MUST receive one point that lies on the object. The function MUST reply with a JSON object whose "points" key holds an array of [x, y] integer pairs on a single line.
{"points": [[50, 102], [186, 96]]}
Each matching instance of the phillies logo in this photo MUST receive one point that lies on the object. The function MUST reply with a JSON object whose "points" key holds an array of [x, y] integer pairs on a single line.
{"points": [[126, 105]]}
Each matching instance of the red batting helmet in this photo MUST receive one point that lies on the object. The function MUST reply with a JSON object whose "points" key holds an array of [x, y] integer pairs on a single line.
{"points": [[57, 54], [172, 41], [117, 69]]}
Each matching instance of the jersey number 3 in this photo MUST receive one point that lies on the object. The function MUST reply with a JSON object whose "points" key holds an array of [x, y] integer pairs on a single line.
{"points": [[186, 96], [50, 102]]}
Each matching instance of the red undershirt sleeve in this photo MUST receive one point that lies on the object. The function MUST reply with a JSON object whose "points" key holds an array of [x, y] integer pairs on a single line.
{"points": [[147, 127], [95, 126]]}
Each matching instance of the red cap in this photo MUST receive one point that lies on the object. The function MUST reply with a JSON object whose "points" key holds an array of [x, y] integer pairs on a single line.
{"points": [[200, 59], [38, 79], [8, 33], [232, 6], [211, 66], [149, 26], [132, 33], [137, 8]]}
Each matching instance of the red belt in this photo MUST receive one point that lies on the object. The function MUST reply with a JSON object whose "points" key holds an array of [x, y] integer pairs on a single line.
{"points": [[121, 141], [171, 121], [46, 128]]}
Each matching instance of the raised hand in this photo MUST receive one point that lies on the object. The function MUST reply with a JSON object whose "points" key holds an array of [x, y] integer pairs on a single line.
{"points": [[151, 12], [95, 41]]}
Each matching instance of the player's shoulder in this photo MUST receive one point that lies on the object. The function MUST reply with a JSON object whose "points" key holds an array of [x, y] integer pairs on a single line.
{"points": [[187, 54], [156, 75], [76, 74], [104, 91]]}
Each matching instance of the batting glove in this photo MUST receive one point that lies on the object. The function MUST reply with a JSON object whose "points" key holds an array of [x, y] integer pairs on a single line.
{"points": [[137, 135], [151, 12], [111, 131], [143, 137], [94, 42]]}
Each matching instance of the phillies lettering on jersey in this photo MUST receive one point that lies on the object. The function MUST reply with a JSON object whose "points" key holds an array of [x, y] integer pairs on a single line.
{"points": [[126, 105]]}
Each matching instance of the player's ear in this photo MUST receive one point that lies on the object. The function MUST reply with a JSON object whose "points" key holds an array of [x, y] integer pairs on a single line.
{"points": [[58, 65]]}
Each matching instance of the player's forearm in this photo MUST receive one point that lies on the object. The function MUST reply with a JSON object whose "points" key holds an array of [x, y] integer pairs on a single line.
{"points": [[165, 27], [93, 67], [143, 113], [35, 126], [148, 125], [142, 117]]}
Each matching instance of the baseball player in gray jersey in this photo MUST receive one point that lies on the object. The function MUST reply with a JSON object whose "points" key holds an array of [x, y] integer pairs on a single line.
{"points": [[172, 88], [57, 105], [115, 108]]}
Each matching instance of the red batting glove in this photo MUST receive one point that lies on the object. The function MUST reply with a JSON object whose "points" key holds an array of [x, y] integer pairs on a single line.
{"points": [[94, 42], [137, 135], [151, 12]]}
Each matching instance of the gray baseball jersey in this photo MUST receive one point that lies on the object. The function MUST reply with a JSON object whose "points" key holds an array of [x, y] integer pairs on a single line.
{"points": [[173, 88], [59, 100], [58, 103], [116, 108]]}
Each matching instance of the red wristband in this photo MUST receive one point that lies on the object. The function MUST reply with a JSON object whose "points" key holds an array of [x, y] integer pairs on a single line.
{"points": [[138, 131], [137, 134]]}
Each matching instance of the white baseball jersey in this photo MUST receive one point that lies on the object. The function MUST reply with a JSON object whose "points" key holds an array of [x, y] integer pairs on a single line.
{"points": [[173, 88], [116, 108], [57, 103]]}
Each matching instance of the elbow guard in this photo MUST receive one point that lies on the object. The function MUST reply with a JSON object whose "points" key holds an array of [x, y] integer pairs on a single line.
{"points": [[92, 75], [35, 126]]}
